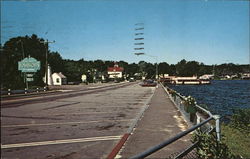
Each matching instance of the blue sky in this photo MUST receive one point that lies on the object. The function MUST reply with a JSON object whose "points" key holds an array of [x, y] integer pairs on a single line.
{"points": [[208, 31]]}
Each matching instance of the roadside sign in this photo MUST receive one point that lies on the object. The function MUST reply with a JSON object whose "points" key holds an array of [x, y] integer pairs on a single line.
{"points": [[29, 79], [29, 64], [29, 75]]}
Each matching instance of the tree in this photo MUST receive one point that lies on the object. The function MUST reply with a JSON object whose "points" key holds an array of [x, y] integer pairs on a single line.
{"points": [[56, 62], [133, 69], [16, 49], [180, 67], [163, 68]]}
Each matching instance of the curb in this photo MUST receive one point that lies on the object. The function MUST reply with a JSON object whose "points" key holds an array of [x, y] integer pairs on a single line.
{"points": [[119, 145]]}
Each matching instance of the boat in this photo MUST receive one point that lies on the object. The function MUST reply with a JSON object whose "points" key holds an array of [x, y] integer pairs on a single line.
{"points": [[185, 80]]}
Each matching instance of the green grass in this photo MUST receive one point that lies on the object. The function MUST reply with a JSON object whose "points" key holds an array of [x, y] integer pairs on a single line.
{"points": [[237, 141]]}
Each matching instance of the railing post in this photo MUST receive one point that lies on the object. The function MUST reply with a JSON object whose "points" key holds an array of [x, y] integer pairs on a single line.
{"points": [[37, 90], [9, 91], [25, 90], [198, 120], [44, 89], [217, 124]]}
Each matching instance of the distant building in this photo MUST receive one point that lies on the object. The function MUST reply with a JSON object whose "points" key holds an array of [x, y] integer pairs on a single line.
{"points": [[59, 79], [206, 76], [115, 72]]}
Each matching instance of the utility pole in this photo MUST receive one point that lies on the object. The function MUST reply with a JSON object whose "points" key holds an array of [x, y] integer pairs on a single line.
{"points": [[46, 43], [25, 76], [139, 46]]}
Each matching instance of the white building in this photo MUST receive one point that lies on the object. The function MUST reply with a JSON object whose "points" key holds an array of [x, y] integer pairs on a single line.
{"points": [[115, 72], [59, 79]]}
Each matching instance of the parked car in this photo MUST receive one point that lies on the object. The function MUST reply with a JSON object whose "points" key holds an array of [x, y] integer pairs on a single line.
{"points": [[148, 83], [131, 79]]}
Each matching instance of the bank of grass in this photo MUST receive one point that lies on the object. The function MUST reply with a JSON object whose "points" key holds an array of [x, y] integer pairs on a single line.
{"points": [[238, 141], [237, 133], [235, 139]]}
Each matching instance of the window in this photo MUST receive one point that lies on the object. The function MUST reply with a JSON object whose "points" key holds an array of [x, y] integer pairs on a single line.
{"points": [[57, 80]]}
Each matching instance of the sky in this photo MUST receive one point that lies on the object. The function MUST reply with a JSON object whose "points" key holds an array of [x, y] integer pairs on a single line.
{"points": [[208, 31]]}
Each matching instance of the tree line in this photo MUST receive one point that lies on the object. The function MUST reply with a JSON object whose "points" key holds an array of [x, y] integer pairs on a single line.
{"points": [[16, 49]]}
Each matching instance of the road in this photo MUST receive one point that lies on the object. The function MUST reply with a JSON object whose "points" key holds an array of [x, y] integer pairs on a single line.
{"points": [[83, 123]]}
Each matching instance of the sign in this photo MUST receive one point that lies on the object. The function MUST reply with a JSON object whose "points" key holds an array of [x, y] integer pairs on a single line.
{"points": [[29, 79], [29, 75], [29, 64]]}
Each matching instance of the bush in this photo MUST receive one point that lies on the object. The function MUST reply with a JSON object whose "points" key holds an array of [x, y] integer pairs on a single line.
{"points": [[209, 148], [237, 141], [237, 133], [241, 120]]}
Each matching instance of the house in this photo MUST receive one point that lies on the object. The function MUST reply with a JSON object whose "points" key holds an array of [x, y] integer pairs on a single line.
{"points": [[59, 79], [115, 72]]}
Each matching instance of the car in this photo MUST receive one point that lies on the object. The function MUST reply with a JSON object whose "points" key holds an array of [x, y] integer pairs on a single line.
{"points": [[131, 79], [148, 83]]}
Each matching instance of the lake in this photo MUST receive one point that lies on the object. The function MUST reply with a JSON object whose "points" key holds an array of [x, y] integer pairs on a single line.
{"points": [[221, 96]]}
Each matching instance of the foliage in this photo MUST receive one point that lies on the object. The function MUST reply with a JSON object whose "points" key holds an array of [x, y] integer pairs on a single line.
{"points": [[241, 120], [189, 107], [190, 101], [16, 49], [237, 133], [209, 148], [237, 141]]}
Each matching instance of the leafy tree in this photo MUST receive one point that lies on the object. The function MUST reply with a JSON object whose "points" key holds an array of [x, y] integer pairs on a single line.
{"points": [[132, 69], [180, 67], [56, 62], [163, 68], [16, 49]]}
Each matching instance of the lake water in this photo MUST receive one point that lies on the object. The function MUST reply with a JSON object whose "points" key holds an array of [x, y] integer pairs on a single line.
{"points": [[221, 97]]}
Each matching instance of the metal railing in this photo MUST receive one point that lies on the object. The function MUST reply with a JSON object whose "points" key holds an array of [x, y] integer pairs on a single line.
{"points": [[202, 122]]}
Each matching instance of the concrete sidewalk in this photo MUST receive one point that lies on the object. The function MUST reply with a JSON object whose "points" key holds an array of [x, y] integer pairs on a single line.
{"points": [[160, 122]]}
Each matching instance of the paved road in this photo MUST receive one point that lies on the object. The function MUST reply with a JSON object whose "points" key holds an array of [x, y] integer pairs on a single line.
{"points": [[80, 125]]}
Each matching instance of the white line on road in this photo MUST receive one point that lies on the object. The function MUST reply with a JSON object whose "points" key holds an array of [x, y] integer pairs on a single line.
{"points": [[54, 142], [65, 123]]}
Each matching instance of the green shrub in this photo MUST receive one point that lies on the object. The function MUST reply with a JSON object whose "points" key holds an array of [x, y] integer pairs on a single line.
{"points": [[209, 148], [237, 141], [241, 120], [237, 133]]}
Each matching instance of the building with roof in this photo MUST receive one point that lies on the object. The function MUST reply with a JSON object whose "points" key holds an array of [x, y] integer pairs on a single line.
{"points": [[59, 79], [115, 72]]}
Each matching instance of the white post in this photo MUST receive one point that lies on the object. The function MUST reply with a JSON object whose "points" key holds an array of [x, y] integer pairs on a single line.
{"points": [[217, 124], [25, 90], [198, 119], [37, 90], [8, 91]]}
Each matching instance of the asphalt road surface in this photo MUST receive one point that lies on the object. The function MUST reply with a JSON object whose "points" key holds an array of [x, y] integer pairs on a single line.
{"points": [[86, 123]]}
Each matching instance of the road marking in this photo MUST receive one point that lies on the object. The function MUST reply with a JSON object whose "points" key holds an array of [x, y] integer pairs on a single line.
{"points": [[84, 113], [54, 142], [23, 99], [65, 123]]}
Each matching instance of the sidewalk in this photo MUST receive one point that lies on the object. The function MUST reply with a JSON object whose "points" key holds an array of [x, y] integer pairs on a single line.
{"points": [[160, 122]]}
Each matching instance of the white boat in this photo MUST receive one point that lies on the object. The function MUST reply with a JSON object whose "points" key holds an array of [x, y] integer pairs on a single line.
{"points": [[186, 80]]}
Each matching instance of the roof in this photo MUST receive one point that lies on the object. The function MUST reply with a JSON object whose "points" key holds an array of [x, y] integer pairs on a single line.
{"points": [[60, 75], [116, 68]]}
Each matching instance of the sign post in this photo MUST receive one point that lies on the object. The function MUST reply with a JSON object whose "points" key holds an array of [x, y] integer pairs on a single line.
{"points": [[29, 65]]}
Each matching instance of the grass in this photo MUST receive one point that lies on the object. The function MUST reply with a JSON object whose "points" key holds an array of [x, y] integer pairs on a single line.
{"points": [[238, 141]]}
